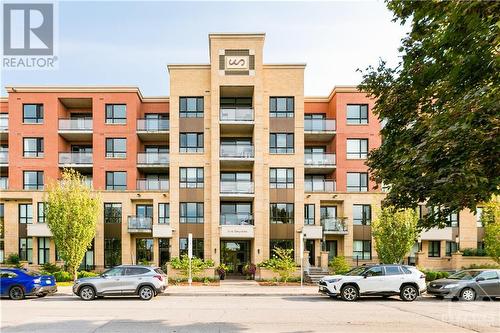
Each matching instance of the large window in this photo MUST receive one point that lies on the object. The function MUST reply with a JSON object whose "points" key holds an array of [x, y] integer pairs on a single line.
{"points": [[33, 147], [281, 213], [434, 249], [236, 213], [26, 249], [309, 214], [191, 107], [116, 147], [361, 214], [25, 213], [451, 247], [357, 149], [362, 249], [279, 243], [191, 143], [33, 113], [479, 214], [197, 247], [43, 250], [33, 180], [281, 177], [452, 220], [116, 114], [144, 250], [112, 212], [281, 143], [281, 107], [163, 213], [191, 177], [191, 212], [357, 182], [41, 208], [116, 180], [357, 114], [112, 252]]}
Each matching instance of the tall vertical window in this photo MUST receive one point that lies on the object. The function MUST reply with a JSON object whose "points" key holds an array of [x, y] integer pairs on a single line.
{"points": [[87, 263], [434, 250], [191, 212], [116, 180], [281, 107], [279, 243], [361, 214], [452, 220], [164, 250], [32, 113], [26, 249], [357, 114], [191, 177], [309, 214], [357, 149], [33, 147], [116, 114], [451, 247], [362, 249], [357, 182], [198, 247], [112, 212], [112, 252], [281, 177], [144, 249], [479, 215], [191, 143], [191, 107], [163, 213], [33, 180], [281, 213], [41, 207], [43, 250], [25, 213], [281, 143], [116, 147]]}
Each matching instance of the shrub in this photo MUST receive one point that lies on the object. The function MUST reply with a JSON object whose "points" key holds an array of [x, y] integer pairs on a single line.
{"points": [[62, 276], [483, 266], [13, 259], [197, 265], [85, 274], [50, 268], [470, 252], [144, 262], [339, 265], [434, 275], [282, 263], [249, 269]]}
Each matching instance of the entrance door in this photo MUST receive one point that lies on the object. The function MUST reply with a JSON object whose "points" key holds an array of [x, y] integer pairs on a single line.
{"points": [[310, 248], [331, 247], [235, 254]]}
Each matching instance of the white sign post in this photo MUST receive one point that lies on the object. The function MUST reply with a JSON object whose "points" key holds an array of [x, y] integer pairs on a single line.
{"points": [[190, 256], [301, 241]]}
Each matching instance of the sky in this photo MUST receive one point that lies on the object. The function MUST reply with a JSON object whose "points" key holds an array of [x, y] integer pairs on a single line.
{"points": [[131, 43]]}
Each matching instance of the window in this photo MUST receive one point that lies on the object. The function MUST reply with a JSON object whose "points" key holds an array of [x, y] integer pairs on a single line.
{"points": [[434, 249], [116, 114], [357, 182], [33, 180], [309, 214], [236, 213], [41, 206], [357, 149], [281, 143], [374, 271], [281, 107], [32, 113], [281, 177], [191, 212], [279, 243], [191, 107], [87, 263], [489, 275], [361, 214], [452, 220], [116, 180], [116, 147], [362, 249], [43, 250], [144, 249], [112, 212], [479, 215], [163, 213], [191, 143], [26, 249], [164, 250], [112, 252], [281, 213], [25, 213], [33, 147], [357, 114], [191, 177], [198, 245], [393, 270], [451, 247]]}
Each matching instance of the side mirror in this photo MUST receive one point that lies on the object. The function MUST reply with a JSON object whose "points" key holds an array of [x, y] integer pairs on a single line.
{"points": [[365, 276], [104, 275], [479, 279]]}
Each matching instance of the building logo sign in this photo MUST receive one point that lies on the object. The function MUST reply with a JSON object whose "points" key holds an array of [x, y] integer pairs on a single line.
{"points": [[237, 63], [236, 231], [29, 32]]}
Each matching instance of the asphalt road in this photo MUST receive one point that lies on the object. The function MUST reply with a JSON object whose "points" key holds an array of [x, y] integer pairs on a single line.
{"points": [[68, 314]]}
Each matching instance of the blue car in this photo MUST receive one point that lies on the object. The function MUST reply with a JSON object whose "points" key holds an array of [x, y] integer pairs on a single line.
{"points": [[17, 283]]}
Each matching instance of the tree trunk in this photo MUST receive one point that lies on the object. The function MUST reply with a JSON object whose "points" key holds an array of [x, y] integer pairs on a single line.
{"points": [[72, 271]]}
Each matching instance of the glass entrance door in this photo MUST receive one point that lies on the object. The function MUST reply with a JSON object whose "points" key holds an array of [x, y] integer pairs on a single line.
{"points": [[235, 254]]}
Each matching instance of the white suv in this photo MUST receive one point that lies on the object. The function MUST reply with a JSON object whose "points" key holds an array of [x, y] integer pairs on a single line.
{"points": [[375, 280]]}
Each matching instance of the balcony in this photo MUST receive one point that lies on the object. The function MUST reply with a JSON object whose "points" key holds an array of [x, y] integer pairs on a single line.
{"points": [[236, 219], [76, 160], [153, 129], [76, 129], [4, 183], [317, 163], [236, 120], [321, 186], [236, 155], [140, 224], [319, 130], [4, 126], [4, 158], [153, 161], [152, 184], [334, 226], [236, 189]]}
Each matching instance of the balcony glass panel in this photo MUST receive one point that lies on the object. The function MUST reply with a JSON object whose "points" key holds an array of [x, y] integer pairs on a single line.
{"points": [[238, 151], [334, 224], [236, 114], [236, 187], [75, 124], [319, 125], [152, 158], [75, 158], [140, 222], [152, 184], [152, 125], [4, 156], [319, 159], [236, 219]]}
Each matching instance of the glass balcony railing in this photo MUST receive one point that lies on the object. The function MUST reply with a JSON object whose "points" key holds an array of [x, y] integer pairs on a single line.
{"points": [[319, 159], [75, 124], [4, 157], [236, 219], [4, 123], [236, 151], [152, 158], [140, 223], [319, 125], [4, 183], [152, 184], [334, 224], [319, 185], [236, 114], [75, 158], [236, 187], [152, 125]]}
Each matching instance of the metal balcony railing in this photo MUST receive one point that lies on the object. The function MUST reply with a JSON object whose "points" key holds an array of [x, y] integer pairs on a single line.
{"points": [[334, 224], [236, 187], [152, 158], [236, 114], [319, 159], [320, 185], [236, 151], [319, 125], [75, 124], [236, 219], [75, 158], [141, 223], [152, 125], [152, 184]]}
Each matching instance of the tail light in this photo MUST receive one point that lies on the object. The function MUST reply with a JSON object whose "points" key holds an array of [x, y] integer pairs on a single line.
{"points": [[159, 277]]}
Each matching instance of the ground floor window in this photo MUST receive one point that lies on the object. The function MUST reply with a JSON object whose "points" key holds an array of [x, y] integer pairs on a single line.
{"points": [[43, 250], [362, 249], [112, 252], [451, 247], [434, 249], [26, 249], [331, 247], [164, 250], [88, 259], [198, 247], [279, 243], [144, 249], [1, 251]]}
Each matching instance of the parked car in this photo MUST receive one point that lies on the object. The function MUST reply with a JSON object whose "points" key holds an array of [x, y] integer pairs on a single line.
{"points": [[144, 281], [467, 285], [375, 280], [17, 283]]}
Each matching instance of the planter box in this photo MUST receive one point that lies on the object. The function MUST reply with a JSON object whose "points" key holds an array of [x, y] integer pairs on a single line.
{"points": [[177, 274], [267, 274]]}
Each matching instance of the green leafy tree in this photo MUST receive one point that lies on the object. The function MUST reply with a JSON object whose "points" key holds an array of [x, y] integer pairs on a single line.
{"points": [[491, 222], [440, 107], [339, 265], [394, 232], [71, 215], [281, 263]]}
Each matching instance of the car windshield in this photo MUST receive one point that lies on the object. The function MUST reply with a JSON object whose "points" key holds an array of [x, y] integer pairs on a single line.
{"points": [[356, 271], [33, 273], [464, 275]]}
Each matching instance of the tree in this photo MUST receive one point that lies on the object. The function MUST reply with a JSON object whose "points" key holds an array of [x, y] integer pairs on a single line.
{"points": [[441, 107], [71, 214], [394, 232], [491, 222]]}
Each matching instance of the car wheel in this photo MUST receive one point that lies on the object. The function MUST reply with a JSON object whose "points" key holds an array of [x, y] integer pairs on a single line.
{"points": [[408, 293], [349, 293], [468, 295], [16, 293], [146, 293], [87, 293]]}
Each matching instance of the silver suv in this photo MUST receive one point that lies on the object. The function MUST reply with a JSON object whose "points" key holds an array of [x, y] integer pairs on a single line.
{"points": [[144, 281]]}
